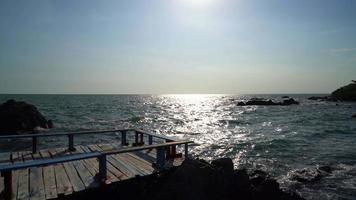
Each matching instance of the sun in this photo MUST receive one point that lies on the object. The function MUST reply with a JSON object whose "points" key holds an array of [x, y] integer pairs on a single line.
{"points": [[198, 3]]}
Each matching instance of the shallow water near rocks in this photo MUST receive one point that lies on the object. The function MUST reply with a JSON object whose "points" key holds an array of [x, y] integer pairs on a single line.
{"points": [[276, 139]]}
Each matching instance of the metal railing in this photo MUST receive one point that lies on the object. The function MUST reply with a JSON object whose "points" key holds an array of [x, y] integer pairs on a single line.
{"points": [[163, 151], [6, 170], [70, 135]]}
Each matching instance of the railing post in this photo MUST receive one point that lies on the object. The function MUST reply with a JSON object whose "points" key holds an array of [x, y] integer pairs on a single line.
{"points": [[150, 139], [160, 157], [186, 150], [71, 142], [34, 144], [123, 138], [141, 139], [102, 167], [7, 185], [136, 137], [168, 149]]}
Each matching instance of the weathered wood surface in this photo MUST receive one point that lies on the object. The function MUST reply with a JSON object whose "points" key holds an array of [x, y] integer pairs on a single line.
{"points": [[50, 182]]}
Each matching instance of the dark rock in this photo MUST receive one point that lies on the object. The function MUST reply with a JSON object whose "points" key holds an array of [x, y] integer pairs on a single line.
{"points": [[257, 177], [257, 99], [241, 103], [345, 93], [290, 101], [326, 169], [242, 185], [354, 116], [224, 170], [285, 97], [225, 165], [323, 98], [241, 179], [192, 180], [258, 102], [195, 180], [18, 116], [265, 187], [314, 98], [307, 175], [50, 123]]}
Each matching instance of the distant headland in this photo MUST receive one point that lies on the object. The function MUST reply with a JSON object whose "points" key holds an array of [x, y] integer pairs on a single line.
{"points": [[345, 93]]}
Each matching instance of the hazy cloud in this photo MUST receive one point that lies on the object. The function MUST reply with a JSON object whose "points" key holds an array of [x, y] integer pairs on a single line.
{"points": [[340, 50]]}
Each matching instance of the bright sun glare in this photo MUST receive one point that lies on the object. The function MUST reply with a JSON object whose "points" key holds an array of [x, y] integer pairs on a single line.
{"points": [[198, 2]]}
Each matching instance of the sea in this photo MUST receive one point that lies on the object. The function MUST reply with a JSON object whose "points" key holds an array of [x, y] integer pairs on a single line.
{"points": [[285, 141]]}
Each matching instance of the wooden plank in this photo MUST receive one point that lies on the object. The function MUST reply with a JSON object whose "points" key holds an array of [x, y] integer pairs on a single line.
{"points": [[94, 163], [111, 165], [85, 175], [144, 155], [49, 178], [23, 182], [130, 163], [147, 166], [63, 184], [5, 158], [37, 191], [73, 176], [15, 158], [121, 165], [90, 164], [140, 166]]}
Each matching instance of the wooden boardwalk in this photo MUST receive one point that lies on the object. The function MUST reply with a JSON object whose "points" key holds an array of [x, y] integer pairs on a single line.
{"points": [[53, 181]]}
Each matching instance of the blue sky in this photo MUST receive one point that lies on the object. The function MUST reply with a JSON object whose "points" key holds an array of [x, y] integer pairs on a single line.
{"points": [[176, 46]]}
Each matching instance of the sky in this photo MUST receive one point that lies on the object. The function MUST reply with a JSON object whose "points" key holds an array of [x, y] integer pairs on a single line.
{"points": [[176, 46]]}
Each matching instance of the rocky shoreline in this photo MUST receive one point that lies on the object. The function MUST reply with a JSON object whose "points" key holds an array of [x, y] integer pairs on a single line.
{"points": [[263, 102], [345, 93], [195, 180]]}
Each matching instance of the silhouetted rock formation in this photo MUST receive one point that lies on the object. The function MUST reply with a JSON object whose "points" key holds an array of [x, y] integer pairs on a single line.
{"points": [[18, 116], [196, 180], [354, 116], [309, 175], [345, 93], [285, 97], [261, 102]]}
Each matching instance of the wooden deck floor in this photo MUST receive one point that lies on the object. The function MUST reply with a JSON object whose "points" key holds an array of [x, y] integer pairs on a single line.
{"points": [[66, 178]]}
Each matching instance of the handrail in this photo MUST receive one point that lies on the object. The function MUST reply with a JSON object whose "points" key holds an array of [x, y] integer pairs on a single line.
{"points": [[140, 148], [45, 162], [71, 135], [155, 135], [6, 170], [95, 154], [80, 133], [61, 134]]}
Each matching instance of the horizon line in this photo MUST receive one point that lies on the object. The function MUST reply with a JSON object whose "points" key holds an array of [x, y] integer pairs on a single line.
{"points": [[307, 93]]}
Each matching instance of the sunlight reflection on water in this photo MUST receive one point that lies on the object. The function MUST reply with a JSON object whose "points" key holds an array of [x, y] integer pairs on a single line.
{"points": [[277, 139]]}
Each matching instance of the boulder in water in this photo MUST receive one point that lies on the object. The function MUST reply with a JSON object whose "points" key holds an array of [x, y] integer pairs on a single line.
{"points": [[18, 116], [261, 102], [308, 175], [290, 101]]}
